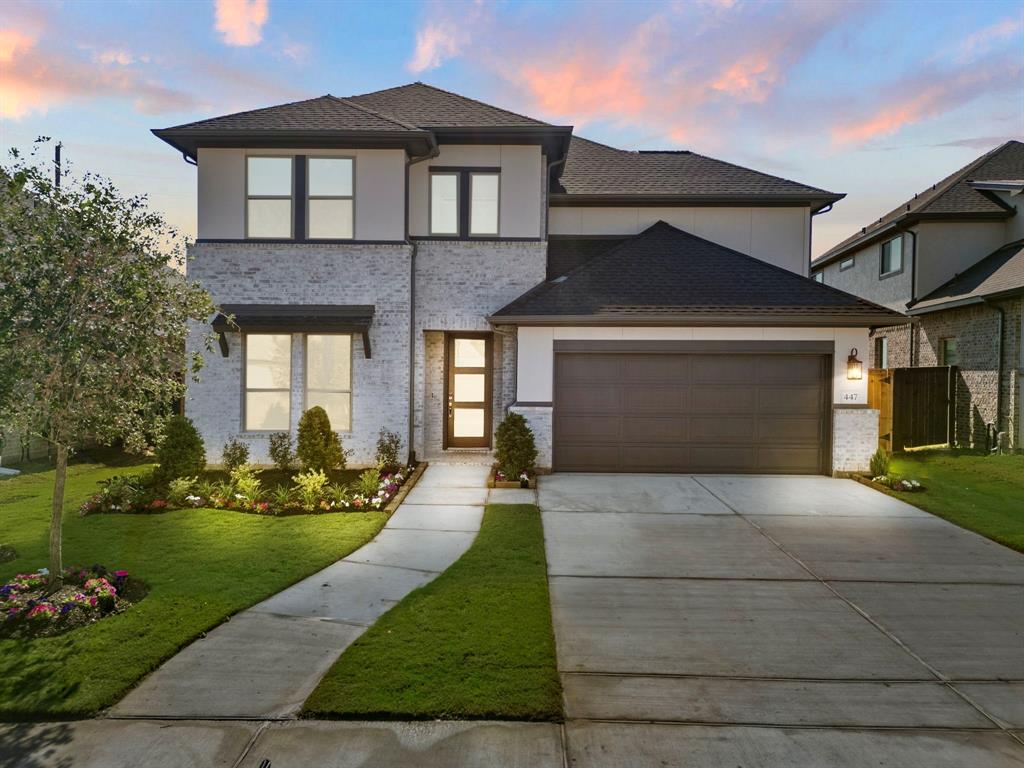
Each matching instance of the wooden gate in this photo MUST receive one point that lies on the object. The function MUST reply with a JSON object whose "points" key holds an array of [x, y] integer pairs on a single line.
{"points": [[916, 405]]}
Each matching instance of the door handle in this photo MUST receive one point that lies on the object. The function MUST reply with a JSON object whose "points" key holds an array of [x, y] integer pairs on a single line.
{"points": [[451, 405]]}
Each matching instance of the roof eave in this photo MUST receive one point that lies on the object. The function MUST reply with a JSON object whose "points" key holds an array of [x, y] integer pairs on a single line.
{"points": [[554, 139], [815, 202], [729, 319], [189, 141], [967, 301]]}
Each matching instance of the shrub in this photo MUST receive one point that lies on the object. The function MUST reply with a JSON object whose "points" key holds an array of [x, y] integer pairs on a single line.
{"points": [[235, 454], [245, 482], [514, 446], [388, 446], [281, 496], [879, 463], [319, 446], [181, 452], [281, 452], [309, 487], [368, 483], [180, 489]]}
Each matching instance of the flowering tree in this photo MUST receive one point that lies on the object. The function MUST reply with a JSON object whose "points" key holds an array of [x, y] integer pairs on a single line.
{"points": [[93, 316]]}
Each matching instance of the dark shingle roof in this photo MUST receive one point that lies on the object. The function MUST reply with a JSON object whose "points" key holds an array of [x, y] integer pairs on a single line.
{"points": [[324, 113], [953, 197], [999, 273], [597, 169], [567, 253], [666, 275], [429, 107]]}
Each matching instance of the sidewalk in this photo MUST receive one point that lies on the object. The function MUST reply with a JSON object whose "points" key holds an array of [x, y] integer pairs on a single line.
{"points": [[265, 661]]}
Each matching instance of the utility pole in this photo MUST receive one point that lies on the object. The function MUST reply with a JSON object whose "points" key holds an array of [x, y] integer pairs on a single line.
{"points": [[56, 164]]}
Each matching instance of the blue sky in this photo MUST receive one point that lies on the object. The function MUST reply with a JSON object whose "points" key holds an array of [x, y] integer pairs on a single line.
{"points": [[878, 100]]}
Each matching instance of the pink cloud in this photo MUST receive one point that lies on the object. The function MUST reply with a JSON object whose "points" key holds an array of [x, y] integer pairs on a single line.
{"points": [[435, 43], [927, 95], [240, 22]]}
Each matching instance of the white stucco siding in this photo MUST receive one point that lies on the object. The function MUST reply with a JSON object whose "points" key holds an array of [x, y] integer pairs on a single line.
{"points": [[948, 248], [520, 191], [535, 370], [379, 206], [778, 235]]}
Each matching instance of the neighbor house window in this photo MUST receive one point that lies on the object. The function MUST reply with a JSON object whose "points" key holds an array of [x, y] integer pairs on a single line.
{"points": [[268, 211], [881, 352], [947, 352], [483, 204], [846, 264], [330, 198], [268, 376], [329, 377], [444, 204], [892, 256], [818, 277]]}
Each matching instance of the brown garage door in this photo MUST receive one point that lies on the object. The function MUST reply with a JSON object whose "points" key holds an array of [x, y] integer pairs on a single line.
{"points": [[691, 412]]}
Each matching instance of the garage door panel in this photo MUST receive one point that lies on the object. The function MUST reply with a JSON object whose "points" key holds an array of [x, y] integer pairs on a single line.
{"points": [[588, 428], [656, 399], [723, 399], [717, 429], [662, 429], [690, 412], [599, 398]]}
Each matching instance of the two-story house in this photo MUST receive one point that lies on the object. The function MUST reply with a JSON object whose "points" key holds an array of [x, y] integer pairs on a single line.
{"points": [[418, 261], [952, 258]]}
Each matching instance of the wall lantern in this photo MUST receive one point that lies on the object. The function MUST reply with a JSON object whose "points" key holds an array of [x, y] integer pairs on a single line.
{"points": [[854, 367]]}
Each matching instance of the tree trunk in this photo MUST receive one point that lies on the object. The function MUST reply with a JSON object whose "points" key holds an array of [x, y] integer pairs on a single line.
{"points": [[56, 566]]}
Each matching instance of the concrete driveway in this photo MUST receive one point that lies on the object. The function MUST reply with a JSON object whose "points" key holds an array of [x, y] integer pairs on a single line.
{"points": [[779, 621]]}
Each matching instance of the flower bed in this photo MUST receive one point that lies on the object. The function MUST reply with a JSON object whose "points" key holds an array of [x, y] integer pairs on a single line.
{"points": [[498, 479], [29, 610], [896, 483], [310, 493]]}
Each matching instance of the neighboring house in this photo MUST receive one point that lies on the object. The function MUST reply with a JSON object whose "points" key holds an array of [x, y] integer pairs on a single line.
{"points": [[951, 258], [418, 261]]}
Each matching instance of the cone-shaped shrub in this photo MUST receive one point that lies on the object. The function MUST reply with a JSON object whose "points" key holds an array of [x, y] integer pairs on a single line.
{"points": [[514, 446], [181, 452], [319, 446]]}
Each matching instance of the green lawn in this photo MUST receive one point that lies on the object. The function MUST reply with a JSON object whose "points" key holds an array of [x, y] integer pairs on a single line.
{"points": [[984, 494], [201, 566], [474, 643]]}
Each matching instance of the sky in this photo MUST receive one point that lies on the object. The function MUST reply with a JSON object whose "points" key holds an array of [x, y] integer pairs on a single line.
{"points": [[875, 99]]}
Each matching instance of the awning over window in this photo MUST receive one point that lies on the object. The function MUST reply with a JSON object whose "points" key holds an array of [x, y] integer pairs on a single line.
{"points": [[294, 318]]}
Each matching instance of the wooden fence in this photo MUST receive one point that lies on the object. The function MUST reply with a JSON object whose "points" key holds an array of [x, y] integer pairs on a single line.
{"points": [[916, 405]]}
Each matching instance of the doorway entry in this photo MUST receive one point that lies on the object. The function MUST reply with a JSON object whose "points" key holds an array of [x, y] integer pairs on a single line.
{"points": [[467, 363]]}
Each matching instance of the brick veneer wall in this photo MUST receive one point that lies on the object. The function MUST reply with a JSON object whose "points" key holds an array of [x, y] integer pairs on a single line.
{"points": [[854, 439], [899, 346], [976, 330], [539, 418]]}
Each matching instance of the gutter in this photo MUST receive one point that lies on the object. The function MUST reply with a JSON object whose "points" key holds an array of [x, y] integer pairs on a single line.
{"points": [[707, 320], [410, 161]]}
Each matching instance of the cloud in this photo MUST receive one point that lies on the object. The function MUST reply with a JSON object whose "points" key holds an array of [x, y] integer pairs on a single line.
{"points": [[926, 95], [33, 80], [985, 39], [240, 22], [435, 43], [115, 56]]}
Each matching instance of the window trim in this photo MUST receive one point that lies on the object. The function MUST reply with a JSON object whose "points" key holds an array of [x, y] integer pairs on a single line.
{"points": [[846, 264], [458, 203], [305, 377], [881, 258], [245, 383], [497, 202], [290, 198], [308, 197], [942, 350], [464, 201]]}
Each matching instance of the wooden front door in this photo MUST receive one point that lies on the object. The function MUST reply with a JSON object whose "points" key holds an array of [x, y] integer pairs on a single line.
{"points": [[467, 364]]}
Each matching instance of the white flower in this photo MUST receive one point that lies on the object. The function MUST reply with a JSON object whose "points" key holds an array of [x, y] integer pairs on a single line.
{"points": [[239, 496], [44, 571]]}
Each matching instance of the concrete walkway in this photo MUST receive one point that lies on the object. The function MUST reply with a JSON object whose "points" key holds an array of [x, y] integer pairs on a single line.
{"points": [[265, 661], [795, 622]]}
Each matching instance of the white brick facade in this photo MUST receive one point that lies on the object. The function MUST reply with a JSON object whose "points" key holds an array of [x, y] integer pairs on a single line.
{"points": [[539, 418], [854, 439]]}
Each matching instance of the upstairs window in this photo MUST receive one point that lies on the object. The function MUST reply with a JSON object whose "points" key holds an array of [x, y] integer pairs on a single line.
{"points": [[846, 264], [444, 204], [329, 214], [892, 257], [818, 277], [268, 377], [947, 352], [464, 203], [268, 205]]}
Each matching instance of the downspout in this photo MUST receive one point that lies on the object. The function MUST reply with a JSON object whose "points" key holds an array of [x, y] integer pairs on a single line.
{"points": [[409, 161], [547, 208], [810, 234], [999, 366], [913, 293]]}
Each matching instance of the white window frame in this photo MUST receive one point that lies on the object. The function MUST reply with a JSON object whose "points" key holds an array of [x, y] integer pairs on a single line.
{"points": [[290, 197], [352, 196], [305, 377], [246, 389]]}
